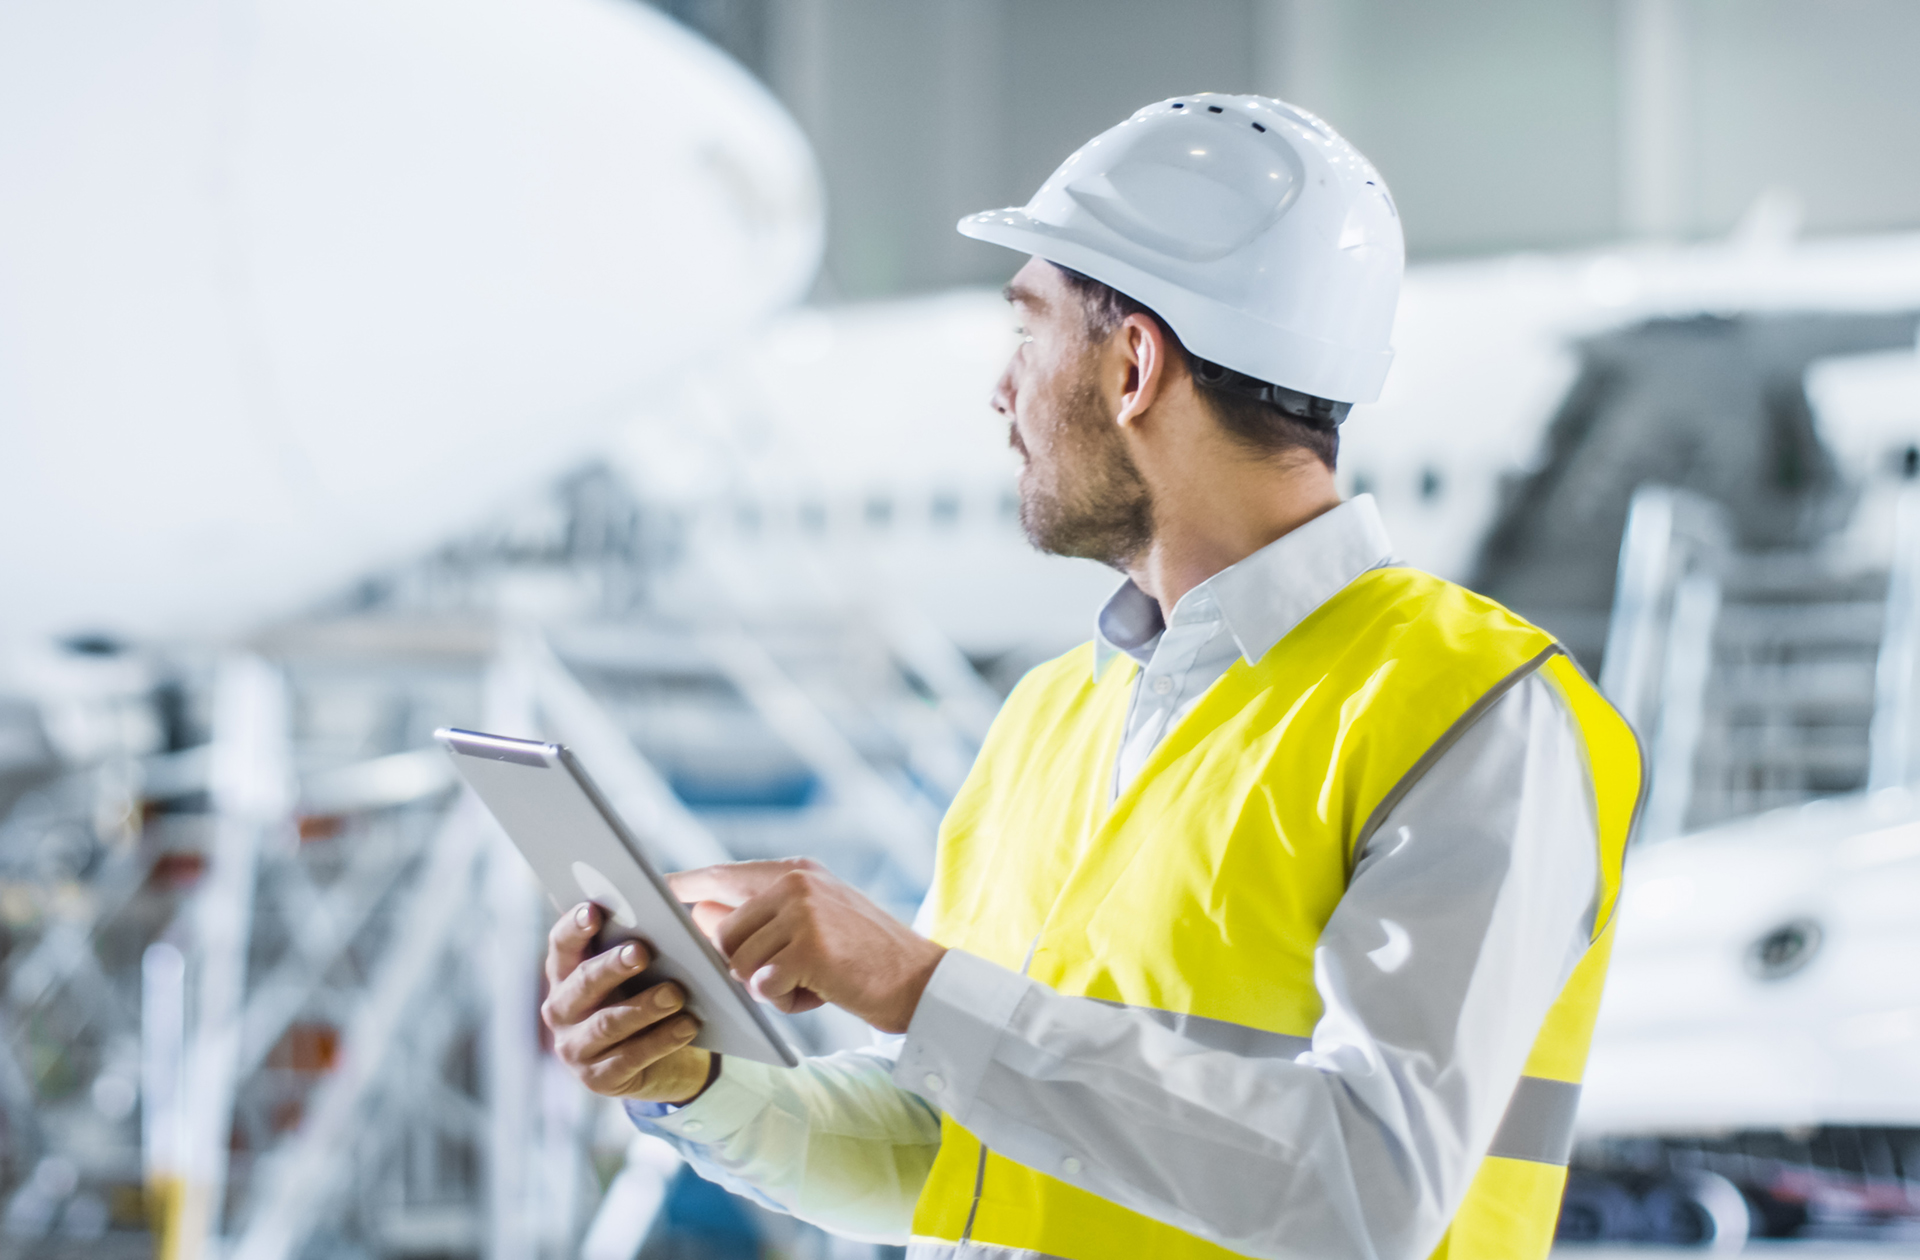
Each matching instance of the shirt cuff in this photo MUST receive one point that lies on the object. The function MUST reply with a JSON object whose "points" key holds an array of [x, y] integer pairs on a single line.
{"points": [[736, 1096], [955, 1030]]}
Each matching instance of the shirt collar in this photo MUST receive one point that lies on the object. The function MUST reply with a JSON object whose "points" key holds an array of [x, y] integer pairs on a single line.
{"points": [[1260, 598]]}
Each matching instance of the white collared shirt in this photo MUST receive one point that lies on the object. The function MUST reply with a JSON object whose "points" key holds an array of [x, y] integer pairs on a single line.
{"points": [[1239, 613], [1464, 916]]}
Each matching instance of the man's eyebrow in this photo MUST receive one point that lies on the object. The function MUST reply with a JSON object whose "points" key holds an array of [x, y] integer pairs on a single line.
{"points": [[1023, 295]]}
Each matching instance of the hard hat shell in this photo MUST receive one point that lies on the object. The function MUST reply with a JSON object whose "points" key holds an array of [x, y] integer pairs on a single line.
{"points": [[1264, 239]]}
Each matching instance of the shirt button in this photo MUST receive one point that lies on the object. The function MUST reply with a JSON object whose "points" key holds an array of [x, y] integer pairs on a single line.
{"points": [[692, 1126], [1162, 685], [934, 1082], [1070, 1166]]}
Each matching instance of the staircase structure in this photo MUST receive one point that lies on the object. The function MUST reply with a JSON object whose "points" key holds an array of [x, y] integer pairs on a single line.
{"points": [[1759, 679], [1689, 537]]}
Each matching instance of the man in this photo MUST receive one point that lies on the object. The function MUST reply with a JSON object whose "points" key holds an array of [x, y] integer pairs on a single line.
{"points": [[1273, 921]]}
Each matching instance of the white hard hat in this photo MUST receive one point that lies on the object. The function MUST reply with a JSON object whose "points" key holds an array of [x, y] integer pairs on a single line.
{"points": [[1266, 242]]}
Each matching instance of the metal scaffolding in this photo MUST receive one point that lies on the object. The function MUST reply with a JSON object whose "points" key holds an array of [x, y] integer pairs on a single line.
{"points": [[275, 993]]}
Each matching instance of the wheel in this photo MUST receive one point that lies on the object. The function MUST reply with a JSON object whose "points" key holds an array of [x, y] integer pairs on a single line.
{"points": [[1696, 1209], [1597, 1209]]}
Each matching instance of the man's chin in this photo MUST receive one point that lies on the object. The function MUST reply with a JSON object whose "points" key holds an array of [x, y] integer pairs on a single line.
{"points": [[1053, 535], [1048, 539]]}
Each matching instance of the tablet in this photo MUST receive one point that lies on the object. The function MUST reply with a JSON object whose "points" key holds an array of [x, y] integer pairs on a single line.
{"points": [[581, 850]]}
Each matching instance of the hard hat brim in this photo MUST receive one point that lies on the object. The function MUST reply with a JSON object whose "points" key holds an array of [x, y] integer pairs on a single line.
{"points": [[1210, 329]]}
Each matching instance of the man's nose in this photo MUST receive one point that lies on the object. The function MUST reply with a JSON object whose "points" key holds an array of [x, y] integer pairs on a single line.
{"points": [[1002, 400]]}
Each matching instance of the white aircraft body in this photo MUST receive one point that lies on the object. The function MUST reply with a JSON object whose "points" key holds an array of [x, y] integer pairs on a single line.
{"points": [[1485, 352], [1767, 976], [290, 290]]}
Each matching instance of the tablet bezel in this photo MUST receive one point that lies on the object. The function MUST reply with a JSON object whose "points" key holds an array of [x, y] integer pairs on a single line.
{"points": [[711, 983]]}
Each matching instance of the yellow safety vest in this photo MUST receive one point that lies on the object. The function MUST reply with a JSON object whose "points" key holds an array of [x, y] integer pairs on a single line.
{"points": [[1203, 889]]}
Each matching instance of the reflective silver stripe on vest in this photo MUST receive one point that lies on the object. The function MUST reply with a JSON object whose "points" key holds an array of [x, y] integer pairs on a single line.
{"points": [[1219, 1034], [1538, 1125], [934, 1249]]}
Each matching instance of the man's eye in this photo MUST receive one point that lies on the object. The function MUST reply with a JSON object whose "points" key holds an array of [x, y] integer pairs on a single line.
{"points": [[1020, 331]]}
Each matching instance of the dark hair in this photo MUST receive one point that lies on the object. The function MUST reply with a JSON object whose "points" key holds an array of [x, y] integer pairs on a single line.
{"points": [[1259, 425]]}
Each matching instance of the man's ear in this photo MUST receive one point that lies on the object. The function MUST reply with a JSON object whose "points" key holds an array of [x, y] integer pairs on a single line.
{"points": [[1148, 358]]}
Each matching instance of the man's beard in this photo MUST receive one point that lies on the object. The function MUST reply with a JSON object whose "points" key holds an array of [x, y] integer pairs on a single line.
{"points": [[1096, 506]]}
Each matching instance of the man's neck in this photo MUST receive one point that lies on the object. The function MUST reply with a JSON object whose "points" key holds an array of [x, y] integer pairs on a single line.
{"points": [[1191, 546]]}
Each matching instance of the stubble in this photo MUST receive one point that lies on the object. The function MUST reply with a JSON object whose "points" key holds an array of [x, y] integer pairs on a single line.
{"points": [[1085, 497]]}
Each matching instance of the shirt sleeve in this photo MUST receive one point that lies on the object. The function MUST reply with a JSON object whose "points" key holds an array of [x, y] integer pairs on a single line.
{"points": [[1465, 915], [834, 1141]]}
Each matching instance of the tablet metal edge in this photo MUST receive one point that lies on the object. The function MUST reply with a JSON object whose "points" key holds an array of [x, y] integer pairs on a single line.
{"points": [[620, 829], [544, 756], [526, 752]]}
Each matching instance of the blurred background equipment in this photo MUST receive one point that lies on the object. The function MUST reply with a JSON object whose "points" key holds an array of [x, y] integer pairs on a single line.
{"points": [[365, 369], [1708, 403]]}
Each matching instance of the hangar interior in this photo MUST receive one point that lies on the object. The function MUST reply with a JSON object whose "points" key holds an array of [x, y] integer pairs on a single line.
{"points": [[610, 373]]}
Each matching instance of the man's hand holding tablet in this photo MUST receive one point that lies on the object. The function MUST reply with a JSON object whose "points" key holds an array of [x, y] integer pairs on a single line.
{"points": [[793, 933], [636, 1047], [789, 931]]}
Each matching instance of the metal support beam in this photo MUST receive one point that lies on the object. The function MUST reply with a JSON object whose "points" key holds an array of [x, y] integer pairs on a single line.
{"points": [[1688, 665], [632, 1202], [965, 698], [511, 959], [1297, 52], [251, 784], [1655, 118], [677, 839], [1893, 740], [19, 1103], [302, 1178], [163, 1067], [322, 935], [1629, 668], [905, 832]]}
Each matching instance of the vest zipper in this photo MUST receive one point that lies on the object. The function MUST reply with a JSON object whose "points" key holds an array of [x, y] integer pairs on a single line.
{"points": [[980, 1172]]}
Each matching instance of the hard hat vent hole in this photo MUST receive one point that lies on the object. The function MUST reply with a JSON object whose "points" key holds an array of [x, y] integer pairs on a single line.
{"points": [[1215, 109], [1179, 104], [1259, 128]]}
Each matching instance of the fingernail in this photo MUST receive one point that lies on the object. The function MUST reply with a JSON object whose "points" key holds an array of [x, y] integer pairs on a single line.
{"points": [[584, 915], [629, 956], [688, 1029], [666, 998]]}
